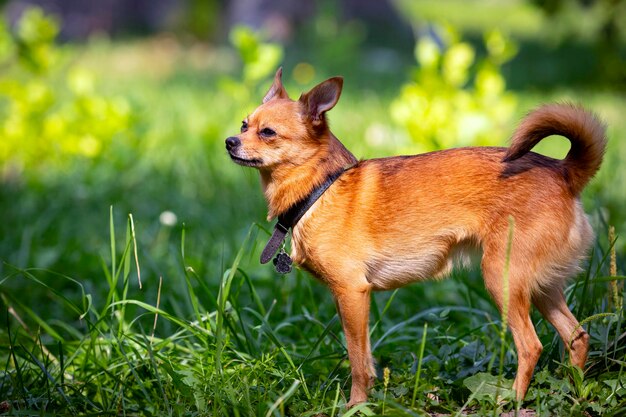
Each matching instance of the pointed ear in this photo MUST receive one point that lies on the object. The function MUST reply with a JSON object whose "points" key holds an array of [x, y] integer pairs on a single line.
{"points": [[322, 98], [276, 90]]}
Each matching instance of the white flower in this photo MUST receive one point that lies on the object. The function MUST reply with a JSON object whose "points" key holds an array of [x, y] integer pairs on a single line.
{"points": [[168, 218]]}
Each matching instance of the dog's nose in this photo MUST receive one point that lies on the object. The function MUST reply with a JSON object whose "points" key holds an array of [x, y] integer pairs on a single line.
{"points": [[232, 142]]}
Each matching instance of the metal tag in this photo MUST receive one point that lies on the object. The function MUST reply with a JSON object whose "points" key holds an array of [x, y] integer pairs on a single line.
{"points": [[282, 262]]}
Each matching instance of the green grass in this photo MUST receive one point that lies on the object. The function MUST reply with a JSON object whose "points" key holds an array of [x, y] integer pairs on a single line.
{"points": [[212, 332], [273, 347]]}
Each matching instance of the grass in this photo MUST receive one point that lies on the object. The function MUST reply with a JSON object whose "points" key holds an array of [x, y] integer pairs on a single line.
{"points": [[212, 332], [256, 355]]}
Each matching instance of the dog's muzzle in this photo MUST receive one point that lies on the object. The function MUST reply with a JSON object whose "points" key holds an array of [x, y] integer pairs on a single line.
{"points": [[233, 146]]}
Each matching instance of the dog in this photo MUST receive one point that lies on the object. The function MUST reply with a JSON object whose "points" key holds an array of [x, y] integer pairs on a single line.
{"points": [[379, 224]]}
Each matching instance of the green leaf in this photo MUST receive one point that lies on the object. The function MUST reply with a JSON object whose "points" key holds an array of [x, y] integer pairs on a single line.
{"points": [[246, 42], [484, 387], [35, 27], [617, 386]]}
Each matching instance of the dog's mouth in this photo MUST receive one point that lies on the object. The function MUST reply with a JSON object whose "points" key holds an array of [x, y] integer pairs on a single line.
{"points": [[254, 162]]}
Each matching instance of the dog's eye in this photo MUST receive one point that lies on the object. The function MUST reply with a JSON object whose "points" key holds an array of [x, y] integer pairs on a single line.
{"points": [[244, 126], [267, 132]]}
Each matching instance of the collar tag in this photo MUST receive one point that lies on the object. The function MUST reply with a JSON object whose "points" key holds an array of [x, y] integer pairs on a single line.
{"points": [[282, 262]]}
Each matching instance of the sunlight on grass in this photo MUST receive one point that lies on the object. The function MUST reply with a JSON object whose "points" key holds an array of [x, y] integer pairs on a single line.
{"points": [[516, 17]]}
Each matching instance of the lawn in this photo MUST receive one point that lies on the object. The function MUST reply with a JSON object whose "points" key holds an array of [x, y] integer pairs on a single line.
{"points": [[130, 281]]}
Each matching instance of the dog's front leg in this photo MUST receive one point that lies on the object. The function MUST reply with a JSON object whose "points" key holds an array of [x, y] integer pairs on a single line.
{"points": [[353, 304]]}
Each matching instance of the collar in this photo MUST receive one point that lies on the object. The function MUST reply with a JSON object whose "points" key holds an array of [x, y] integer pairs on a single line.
{"points": [[289, 218]]}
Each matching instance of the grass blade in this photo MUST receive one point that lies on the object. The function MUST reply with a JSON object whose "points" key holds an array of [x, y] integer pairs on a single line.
{"points": [[222, 297], [283, 398], [419, 364]]}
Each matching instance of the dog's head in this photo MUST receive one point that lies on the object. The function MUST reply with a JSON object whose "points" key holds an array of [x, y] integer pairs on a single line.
{"points": [[282, 130]]}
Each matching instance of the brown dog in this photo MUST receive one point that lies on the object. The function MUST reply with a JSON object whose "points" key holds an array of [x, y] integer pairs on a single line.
{"points": [[384, 223]]}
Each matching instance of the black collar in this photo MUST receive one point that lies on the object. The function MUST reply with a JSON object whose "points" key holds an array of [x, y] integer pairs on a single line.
{"points": [[289, 218]]}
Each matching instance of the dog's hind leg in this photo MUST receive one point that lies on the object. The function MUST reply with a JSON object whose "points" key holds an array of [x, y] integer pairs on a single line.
{"points": [[353, 303], [527, 343], [551, 303]]}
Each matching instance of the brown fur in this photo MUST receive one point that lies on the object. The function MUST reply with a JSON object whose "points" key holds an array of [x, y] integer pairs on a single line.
{"points": [[392, 221]]}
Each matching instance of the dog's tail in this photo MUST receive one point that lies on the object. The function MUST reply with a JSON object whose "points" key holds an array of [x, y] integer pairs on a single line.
{"points": [[583, 129]]}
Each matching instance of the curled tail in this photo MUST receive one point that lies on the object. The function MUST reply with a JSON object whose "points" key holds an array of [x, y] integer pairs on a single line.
{"points": [[581, 127]]}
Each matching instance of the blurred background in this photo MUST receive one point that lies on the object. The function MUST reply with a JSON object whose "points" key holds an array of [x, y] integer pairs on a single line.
{"points": [[113, 107]]}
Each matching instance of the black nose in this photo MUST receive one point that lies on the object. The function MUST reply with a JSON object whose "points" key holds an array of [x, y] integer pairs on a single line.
{"points": [[232, 142]]}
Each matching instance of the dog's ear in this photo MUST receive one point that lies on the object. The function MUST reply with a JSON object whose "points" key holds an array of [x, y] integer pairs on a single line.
{"points": [[321, 98], [276, 90]]}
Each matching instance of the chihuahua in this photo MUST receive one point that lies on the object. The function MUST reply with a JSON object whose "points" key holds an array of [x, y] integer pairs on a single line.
{"points": [[379, 224]]}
